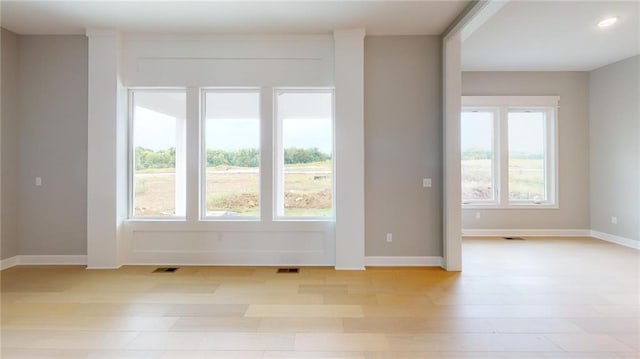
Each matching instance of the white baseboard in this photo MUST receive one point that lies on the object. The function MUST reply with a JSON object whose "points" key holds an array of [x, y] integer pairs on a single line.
{"points": [[526, 233], [8, 262], [44, 260], [349, 268], [423, 261], [627, 242]]}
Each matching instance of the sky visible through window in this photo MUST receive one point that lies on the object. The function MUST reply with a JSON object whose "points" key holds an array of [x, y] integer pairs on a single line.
{"points": [[477, 130], [525, 131], [154, 129]]}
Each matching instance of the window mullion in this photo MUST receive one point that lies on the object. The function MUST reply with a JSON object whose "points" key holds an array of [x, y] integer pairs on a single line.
{"points": [[503, 154], [193, 154], [266, 154], [496, 156], [552, 156], [278, 165], [131, 157]]}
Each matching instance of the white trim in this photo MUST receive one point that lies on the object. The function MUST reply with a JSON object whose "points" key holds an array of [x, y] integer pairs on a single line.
{"points": [[230, 265], [526, 233], [503, 106], [627, 242], [231, 257], [52, 260], [181, 156], [43, 260], [496, 145], [98, 32], [484, 12], [193, 141], [228, 226], [511, 101], [9, 262], [350, 268], [413, 261], [513, 205], [203, 92], [278, 151]]}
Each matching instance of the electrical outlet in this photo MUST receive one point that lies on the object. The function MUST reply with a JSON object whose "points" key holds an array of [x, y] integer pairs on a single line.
{"points": [[477, 215], [38, 181], [614, 220], [389, 237], [426, 182]]}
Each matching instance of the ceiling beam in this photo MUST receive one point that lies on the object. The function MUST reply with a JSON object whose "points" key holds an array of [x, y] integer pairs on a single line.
{"points": [[473, 17]]}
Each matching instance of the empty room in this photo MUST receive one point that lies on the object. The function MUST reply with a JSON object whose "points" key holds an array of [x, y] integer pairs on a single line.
{"points": [[320, 179]]}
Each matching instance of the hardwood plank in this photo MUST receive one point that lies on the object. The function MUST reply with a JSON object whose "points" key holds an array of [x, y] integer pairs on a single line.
{"points": [[537, 298]]}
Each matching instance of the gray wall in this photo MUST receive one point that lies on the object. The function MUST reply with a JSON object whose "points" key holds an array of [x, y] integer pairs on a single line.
{"points": [[615, 148], [573, 148], [9, 141], [403, 144], [52, 144]]}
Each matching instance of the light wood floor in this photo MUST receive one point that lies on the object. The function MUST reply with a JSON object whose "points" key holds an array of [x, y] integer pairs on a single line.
{"points": [[538, 298]]}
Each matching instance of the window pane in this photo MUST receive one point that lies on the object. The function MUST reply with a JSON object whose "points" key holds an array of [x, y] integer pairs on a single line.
{"points": [[305, 154], [527, 156], [232, 142], [159, 154], [477, 156]]}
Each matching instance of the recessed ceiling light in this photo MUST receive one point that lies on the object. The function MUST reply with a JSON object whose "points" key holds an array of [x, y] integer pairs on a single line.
{"points": [[608, 21]]}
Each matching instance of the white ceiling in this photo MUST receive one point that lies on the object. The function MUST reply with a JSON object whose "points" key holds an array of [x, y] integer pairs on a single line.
{"points": [[554, 36], [237, 17]]}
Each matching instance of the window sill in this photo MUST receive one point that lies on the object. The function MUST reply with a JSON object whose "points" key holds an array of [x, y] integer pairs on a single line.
{"points": [[511, 206], [230, 219], [304, 219], [156, 219], [227, 226]]}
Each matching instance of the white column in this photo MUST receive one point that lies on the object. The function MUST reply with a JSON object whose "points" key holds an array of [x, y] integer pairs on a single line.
{"points": [[452, 176], [476, 15], [104, 175], [349, 147]]}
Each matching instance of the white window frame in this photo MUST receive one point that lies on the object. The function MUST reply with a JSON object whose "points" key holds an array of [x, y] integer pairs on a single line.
{"points": [[203, 153], [506, 104], [278, 157], [495, 151], [131, 154]]}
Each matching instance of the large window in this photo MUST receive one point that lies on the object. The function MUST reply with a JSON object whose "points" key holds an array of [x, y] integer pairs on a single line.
{"points": [[478, 165], [527, 155], [304, 153], [158, 156], [196, 154], [232, 153], [509, 151]]}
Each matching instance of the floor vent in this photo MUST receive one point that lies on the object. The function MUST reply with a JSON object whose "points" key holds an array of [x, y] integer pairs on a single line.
{"points": [[288, 270], [514, 238], [165, 270]]}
